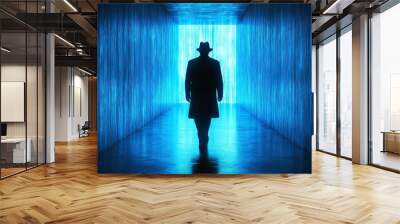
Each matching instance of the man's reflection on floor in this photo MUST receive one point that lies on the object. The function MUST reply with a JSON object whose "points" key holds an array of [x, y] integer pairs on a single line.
{"points": [[240, 143], [204, 164]]}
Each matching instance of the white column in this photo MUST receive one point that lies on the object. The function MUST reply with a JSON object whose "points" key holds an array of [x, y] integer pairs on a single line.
{"points": [[50, 99], [50, 92], [360, 90]]}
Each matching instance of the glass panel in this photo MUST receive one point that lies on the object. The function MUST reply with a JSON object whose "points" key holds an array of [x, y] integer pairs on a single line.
{"points": [[327, 96], [31, 98], [314, 90], [385, 86], [32, 89], [41, 98], [346, 93], [13, 89], [22, 90]]}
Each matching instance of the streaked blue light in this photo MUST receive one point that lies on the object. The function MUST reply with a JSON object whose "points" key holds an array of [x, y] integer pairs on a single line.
{"points": [[222, 39], [206, 13], [137, 68], [274, 68]]}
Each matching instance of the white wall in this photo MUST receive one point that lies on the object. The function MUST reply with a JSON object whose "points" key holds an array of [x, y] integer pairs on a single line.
{"points": [[71, 93], [314, 90], [16, 72], [79, 117], [34, 125], [62, 82]]}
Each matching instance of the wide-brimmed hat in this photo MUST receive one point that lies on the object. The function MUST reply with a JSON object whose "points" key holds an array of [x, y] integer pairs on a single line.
{"points": [[204, 46]]}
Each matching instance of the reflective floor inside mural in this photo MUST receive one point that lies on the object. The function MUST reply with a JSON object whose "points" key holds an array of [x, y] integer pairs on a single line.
{"points": [[239, 144]]}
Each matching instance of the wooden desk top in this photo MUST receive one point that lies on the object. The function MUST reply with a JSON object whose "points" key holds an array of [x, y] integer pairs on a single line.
{"points": [[391, 132]]}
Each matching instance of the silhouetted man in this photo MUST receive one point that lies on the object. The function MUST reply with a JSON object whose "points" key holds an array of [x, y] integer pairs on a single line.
{"points": [[203, 81]]}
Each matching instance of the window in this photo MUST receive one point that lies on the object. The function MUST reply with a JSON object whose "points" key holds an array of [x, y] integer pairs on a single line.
{"points": [[385, 89], [327, 96], [346, 93]]}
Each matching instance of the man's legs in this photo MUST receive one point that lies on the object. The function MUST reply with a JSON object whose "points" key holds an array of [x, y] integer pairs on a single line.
{"points": [[203, 126], [198, 126], [207, 123]]}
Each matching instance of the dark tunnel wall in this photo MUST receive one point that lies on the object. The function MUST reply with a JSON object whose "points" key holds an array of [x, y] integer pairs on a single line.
{"points": [[137, 68], [274, 68]]}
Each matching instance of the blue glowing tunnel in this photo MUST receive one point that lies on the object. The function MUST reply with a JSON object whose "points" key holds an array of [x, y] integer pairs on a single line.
{"points": [[264, 52]]}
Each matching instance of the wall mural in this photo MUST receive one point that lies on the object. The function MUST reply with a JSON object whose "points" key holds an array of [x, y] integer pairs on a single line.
{"points": [[188, 88]]}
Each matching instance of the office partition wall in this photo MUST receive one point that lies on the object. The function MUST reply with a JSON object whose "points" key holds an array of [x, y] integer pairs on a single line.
{"points": [[13, 80], [22, 88]]}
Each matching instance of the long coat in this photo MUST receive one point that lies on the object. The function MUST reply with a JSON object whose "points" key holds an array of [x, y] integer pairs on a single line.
{"points": [[203, 81]]}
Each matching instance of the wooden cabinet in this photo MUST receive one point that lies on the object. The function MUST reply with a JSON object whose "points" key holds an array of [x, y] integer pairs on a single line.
{"points": [[391, 142]]}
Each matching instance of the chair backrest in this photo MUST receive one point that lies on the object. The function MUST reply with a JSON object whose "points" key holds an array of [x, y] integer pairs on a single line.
{"points": [[86, 125]]}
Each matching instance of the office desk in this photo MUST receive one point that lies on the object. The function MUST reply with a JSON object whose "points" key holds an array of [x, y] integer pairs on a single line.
{"points": [[391, 141], [13, 150]]}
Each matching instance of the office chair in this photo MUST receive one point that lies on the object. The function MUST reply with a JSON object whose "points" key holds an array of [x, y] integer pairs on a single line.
{"points": [[84, 130]]}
